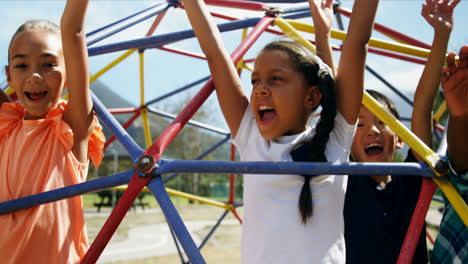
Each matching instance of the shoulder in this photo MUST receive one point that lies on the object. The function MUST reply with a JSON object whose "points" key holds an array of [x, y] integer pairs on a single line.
{"points": [[11, 114]]}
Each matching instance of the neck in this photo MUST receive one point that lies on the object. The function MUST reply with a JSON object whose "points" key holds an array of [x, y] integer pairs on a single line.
{"points": [[382, 180]]}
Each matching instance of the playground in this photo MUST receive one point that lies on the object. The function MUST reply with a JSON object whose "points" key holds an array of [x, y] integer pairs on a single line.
{"points": [[170, 229]]}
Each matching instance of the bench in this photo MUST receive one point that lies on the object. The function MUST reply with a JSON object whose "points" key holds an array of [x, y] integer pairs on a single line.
{"points": [[105, 197]]}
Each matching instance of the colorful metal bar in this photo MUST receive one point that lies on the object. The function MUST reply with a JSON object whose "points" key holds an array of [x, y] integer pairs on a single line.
{"points": [[246, 5], [177, 225], [425, 152], [160, 8], [417, 221], [123, 110], [202, 155], [213, 229], [397, 56], [66, 192], [183, 88], [440, 111], [198, 199], [143, 110], [289, 30], [190, 122], [163, 39], [137, 183], [386, 45], [120, 21], [114, 126], [124, 126], [384, 81], [111, 65], [390, 32], [184, 52], [316, 168]]}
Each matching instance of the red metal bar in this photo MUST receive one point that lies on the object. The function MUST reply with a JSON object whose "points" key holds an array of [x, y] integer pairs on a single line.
{"points": [[125, 126], [386, 30], [237, 216], [414, 230], [123, 110], [429, 236], [156, 23], [397, 56], [247, 5], [13, 96], [183, 52], [231, 177], [137, 183]]}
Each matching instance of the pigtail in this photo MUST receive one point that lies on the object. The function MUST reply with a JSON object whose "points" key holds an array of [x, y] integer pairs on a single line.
{"points": [[314, 149]]}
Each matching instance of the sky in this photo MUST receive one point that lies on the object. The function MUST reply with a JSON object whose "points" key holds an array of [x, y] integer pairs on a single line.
{"points": [[165, 71]]}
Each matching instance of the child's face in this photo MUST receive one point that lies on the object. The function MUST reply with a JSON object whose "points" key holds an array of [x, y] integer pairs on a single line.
{"points": [[281, 101], [374, 141], [36, 71]]}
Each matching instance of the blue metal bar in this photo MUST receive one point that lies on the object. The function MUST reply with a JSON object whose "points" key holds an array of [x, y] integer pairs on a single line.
{"points": [[190, 85], [191, 122], [66, 192], [297, 15], [202, 155], [114, 126], [163, 7], [378, 76], [176, 242], [301, 8], [156, 186], [213, 229], [160, 40], [120, 21], [314, 168], [442, 148]]}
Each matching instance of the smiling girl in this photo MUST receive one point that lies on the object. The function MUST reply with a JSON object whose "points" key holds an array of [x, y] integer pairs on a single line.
{"points": [[46, 143]]}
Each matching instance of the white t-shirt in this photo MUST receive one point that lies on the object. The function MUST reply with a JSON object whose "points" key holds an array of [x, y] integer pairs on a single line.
{"points": [[272, 230]]}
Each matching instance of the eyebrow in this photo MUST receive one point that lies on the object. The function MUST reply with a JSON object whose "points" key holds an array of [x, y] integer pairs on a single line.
{"points": [[44, 55]]}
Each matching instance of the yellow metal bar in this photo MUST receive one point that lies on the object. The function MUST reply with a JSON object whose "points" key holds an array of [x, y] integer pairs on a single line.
{"points": [[146, 127], [404, 133], [144, 111], [440, 111], [289, 30], [425, 152], [185, 195], [240, 65], [9, 91], [376, 43], [111, 65]]}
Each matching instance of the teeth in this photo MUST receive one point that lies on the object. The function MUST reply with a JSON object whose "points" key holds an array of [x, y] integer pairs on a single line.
{"points": [[264, 107], [373, 145]]}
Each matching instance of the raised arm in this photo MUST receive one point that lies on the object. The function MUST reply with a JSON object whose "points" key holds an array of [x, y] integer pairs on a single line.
{"points": [[231, 97], [455, 84], [79, 113], [4, 98], [350, 77], [440, 16], [322, 15]]}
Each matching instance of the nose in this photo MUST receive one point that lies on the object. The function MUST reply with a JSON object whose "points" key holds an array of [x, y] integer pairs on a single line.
{"points": [[260, 89], [373, 130], [35, 78]]}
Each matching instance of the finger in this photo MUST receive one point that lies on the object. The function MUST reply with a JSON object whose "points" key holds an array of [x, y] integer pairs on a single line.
{"points": [[444, 75], [445, 2], [454, 3], [463, 57], [329, 3], [451, 63]]}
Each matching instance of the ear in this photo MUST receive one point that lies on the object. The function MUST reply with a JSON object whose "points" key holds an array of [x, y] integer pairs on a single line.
{"points": [[399, 143], [7, 71], [312, 97]]}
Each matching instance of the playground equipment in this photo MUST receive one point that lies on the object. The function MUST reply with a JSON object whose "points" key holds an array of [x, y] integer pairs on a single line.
{"points": [[149, 166]]}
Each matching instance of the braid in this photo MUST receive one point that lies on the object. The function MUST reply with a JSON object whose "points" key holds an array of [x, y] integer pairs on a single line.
{"points": [[316, 146]]}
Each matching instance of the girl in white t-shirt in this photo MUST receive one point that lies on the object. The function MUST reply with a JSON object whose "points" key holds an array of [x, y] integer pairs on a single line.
{"points": [[289, 82]]}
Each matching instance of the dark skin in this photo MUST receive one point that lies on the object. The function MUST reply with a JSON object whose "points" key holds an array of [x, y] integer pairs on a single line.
{"points": [[454, 80]]}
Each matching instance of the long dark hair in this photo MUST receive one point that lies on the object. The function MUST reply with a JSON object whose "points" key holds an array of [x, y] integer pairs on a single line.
{"points": [[316, 73]]}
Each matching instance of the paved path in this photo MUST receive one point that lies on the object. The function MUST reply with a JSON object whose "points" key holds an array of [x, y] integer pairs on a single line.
{"points": [[152, 240]]}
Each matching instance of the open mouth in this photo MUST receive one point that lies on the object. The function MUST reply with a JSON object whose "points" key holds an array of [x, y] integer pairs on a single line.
{"points": [[374, 149], [266, 113], [35, 96]]}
